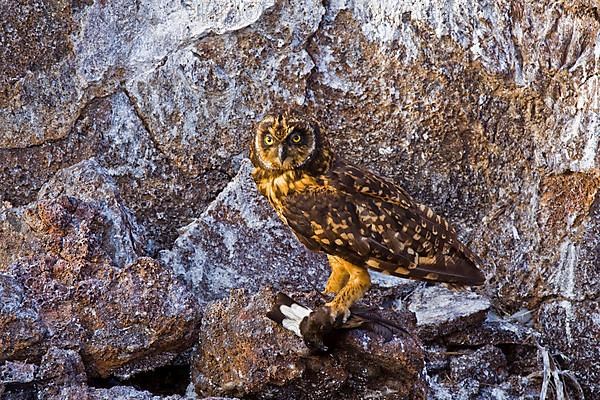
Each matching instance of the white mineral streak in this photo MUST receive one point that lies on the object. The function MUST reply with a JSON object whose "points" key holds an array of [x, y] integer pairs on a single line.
{"points": [[139, 35], [504, 43], [565, 279], [569, 319], [480, 27]]}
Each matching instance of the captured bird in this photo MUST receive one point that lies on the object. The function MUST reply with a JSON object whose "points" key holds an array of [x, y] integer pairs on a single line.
{"points": [[315, 328], [360, 220]]}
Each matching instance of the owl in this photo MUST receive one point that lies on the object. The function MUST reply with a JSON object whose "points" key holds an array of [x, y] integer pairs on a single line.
{"points": [[360, 220]]}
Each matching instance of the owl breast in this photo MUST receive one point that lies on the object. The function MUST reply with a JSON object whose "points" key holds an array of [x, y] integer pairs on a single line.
{"points": [[276, 188]]}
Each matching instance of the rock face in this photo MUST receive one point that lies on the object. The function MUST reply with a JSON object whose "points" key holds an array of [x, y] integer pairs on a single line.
{"points": [[87, 289], [239, 242], [122, 321], [61, 376], [21, 326], [141, 111]]}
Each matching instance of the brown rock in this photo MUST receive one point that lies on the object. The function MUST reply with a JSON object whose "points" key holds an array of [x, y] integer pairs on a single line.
{"points": [[122, 318], [16, 237], [242, 353], [140, 319], [61, 376], [61, 223], [34, 41], [119, 234], [59, 369], [23, 171]]}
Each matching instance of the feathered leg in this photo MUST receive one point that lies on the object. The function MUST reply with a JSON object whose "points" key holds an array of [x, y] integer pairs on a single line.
{"points": [[358, 283], [339, 275]]}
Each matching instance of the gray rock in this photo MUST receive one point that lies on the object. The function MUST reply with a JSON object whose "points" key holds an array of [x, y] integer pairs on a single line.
{"points": [[494, 330], [440, 311], [22, 331], [17, 372], [487, 365], [239, 242], [122, 238]]}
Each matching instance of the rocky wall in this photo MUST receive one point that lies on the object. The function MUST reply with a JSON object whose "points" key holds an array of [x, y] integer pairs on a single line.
{"points": [[126, 124]]}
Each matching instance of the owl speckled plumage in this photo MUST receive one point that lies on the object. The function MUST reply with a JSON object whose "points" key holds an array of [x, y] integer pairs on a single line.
{"points": [[360, 220]]}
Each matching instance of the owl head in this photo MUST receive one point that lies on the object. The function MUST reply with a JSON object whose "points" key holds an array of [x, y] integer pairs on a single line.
{"points": [[285, 142]]}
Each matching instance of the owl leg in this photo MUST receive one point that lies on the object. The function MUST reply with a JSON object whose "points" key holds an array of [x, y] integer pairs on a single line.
{"points": [[358, 283], [339, 275]]}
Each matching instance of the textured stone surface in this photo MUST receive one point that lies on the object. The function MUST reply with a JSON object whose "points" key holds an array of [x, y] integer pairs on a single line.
{"points": [[122, 238], [79, 204], [242, 353], [17, 238], [87, 289], [38, 95], [573, 330], [123, 320], [488, 111], [440, 311], [494, 330], [61, 369], [487, 365], [17, 372], [238, 242], [21, 328], [61, 376]]}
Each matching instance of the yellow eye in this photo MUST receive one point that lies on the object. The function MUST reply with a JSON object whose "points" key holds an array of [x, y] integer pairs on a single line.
{"points": [[268, 140], [296, 138]]}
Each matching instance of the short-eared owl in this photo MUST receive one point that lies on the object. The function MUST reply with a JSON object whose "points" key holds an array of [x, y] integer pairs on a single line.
{"points": [[360, 220]]}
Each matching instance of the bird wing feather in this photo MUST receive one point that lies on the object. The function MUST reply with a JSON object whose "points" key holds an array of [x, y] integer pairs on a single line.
{"points": [[369, 221]]}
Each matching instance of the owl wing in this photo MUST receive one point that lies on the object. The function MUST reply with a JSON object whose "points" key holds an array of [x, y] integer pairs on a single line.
{"points": [[367, 220]]}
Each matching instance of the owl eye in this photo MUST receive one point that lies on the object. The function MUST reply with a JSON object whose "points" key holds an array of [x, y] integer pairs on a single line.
{"points": [[296, 138], [268, 140]]}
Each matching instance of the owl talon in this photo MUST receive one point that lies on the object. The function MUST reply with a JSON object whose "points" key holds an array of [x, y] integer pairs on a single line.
{"points": [[338, 316]]}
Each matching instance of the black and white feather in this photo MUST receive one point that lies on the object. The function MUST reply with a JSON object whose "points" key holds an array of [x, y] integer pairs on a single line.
{"points": [[288, 313]]}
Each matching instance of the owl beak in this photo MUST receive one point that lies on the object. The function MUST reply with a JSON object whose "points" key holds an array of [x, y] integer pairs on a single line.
{"points": [[282, 153]]}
